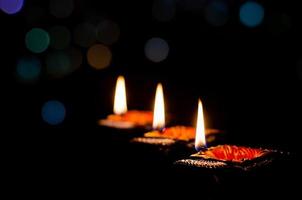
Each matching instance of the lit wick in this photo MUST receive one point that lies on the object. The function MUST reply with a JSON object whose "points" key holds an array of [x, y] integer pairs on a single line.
{"points": [[161, 134], [159, 109], [224, 156], [200, 137], [122, 118], [120, 100]]}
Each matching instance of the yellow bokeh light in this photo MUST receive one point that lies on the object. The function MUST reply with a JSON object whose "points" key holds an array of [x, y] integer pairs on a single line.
{"points": [[99, 56]]}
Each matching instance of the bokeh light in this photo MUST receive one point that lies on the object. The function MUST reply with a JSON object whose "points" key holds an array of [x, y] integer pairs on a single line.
{"points": [[99, 56], [251, 14], [28, 69], [35, 15], [279, 23], [37, 40], [107, 32], [58, 64], [53, 112], [217, 13], [163, 10], [75, 57], [156, 49], [59, 37], [85, 34], [11, 6], [192, 5], [61, 8]]}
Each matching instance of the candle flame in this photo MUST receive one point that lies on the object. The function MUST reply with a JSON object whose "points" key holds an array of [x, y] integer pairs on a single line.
{"points": [[200, 137], [120, 101], [159, 108]]}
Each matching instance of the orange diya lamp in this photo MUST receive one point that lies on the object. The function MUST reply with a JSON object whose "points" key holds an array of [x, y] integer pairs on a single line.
{"points": [[167, 135], [223, 156], [122, 118]]}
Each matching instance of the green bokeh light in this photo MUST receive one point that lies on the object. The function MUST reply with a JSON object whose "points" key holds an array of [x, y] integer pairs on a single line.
{"points": [[37, 40], [59, 37], [58, 64]]}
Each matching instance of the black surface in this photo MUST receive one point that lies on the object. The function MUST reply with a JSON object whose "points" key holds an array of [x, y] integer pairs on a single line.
{"points": [[247, 79]]}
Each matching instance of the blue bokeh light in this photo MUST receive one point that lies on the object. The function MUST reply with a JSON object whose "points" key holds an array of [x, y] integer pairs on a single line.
{"points": [[11, 6], [53, 112], [217, 13], [28, 69], [251, 14], [156, 49]]}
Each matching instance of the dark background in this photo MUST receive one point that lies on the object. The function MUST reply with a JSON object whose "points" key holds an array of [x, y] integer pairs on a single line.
{"points": [[248, 78]]}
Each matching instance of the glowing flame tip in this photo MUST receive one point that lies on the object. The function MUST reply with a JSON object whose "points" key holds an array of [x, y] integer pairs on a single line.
{"points": [[120, 100], [159, 108], [200, 138]]}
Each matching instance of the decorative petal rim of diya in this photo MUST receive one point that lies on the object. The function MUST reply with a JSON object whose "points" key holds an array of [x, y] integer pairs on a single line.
{"points": [[231, 153], [230, 156], [131, 119], [154, 141], [171, 135], [184, 133]]}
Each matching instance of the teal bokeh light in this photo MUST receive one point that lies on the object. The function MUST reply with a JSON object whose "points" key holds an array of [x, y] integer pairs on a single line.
{"points": [[28, 69], [251, 14], [217, 13]]}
